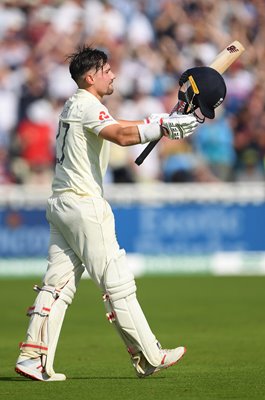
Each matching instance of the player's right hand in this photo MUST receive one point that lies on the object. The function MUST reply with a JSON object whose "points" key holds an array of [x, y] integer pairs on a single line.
{"points": [[155, 118], [179, 126]]}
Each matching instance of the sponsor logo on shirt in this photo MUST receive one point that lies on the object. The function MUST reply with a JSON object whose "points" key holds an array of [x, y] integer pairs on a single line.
{"points": [[103, 116]]}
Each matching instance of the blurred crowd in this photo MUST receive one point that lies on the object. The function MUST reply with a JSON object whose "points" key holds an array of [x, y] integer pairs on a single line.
{"points": [[150, 43]]}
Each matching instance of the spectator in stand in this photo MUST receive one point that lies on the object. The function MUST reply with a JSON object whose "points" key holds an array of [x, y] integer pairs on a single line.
{"points": [[214, 144], [151, 44], [249, 132], [178, 162], [8, 106], [34, 141], [33, 88], [5, 174]]}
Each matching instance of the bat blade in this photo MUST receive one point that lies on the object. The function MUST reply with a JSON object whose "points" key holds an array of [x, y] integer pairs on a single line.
{"points": [[227, 57]]}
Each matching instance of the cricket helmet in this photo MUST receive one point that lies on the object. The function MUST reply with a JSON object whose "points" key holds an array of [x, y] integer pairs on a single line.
{"points": [[207, 89]]}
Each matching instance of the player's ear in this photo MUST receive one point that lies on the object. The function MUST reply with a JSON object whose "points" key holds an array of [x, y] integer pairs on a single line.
{"points": [[89, 78]]}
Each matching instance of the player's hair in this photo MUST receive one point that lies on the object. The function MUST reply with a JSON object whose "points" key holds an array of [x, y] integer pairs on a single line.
{"points": [[85, 59]]}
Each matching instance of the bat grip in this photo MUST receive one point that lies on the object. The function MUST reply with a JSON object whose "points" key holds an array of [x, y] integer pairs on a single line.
{"points": [[140, 159]]}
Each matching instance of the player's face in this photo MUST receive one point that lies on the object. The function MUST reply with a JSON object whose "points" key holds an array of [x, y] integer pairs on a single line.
{"points": [[104, 78]]}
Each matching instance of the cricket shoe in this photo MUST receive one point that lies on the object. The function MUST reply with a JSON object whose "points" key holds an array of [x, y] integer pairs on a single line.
{"points": [[168, 358], [33, 369]]}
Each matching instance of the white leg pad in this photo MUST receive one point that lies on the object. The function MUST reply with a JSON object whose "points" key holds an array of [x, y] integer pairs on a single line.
{"points": [[53, 330], [124, 310], [47, 316]]}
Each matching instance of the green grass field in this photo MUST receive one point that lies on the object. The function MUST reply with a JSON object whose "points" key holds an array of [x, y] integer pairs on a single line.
{"points": [[221, 321]]}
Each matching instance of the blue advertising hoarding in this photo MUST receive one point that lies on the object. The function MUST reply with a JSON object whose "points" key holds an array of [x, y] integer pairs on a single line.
{"points": [[182, 228]]}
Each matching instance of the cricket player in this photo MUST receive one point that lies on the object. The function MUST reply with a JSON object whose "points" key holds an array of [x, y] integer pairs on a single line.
{"points": [[82, 232]]}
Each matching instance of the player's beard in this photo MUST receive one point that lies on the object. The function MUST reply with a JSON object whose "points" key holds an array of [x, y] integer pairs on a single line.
{"points": [[110, 89]]}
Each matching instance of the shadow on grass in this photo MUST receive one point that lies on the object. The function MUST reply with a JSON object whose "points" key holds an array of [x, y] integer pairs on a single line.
{"points": [[21, 379], [112, 377], [13, 379]]}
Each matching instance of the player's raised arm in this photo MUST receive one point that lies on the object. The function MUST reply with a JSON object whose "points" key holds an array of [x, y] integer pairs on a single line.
{"points": [[173, 127]]}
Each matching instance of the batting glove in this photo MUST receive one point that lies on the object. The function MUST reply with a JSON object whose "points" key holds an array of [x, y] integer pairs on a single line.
{"points": [[156, 118], [179, 126]]}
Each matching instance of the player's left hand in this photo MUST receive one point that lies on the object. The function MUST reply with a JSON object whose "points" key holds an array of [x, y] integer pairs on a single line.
{"points": [[179, 126]]}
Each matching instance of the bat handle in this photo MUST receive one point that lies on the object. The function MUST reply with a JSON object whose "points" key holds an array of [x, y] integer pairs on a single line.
{"points": [[140, 159]]}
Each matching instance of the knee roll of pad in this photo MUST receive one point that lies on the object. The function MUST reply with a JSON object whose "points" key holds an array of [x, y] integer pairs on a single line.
{"points": [[68, 291], [118, 280], [121, 289]]}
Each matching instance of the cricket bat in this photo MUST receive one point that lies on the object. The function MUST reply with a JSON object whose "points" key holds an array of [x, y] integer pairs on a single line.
{"points": [[221, 63]]}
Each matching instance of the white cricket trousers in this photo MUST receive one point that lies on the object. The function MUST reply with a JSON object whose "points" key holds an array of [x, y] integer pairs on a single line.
{"points": [[82, 231]]}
